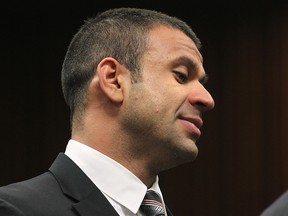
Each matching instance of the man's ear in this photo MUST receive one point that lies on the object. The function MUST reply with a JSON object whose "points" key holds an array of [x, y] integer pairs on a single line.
{"points": [[113, 79]]}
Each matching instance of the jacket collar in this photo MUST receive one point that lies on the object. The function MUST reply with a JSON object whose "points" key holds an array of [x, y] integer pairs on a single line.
{"points": [[75, 184]]}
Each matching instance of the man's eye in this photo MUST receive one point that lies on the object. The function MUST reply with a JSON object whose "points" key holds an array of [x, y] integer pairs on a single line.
{"points": [[181, 77]]}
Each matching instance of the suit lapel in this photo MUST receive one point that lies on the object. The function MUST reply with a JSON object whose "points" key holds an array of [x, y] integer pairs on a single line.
{"points": [[74, 183], [95, 204]]}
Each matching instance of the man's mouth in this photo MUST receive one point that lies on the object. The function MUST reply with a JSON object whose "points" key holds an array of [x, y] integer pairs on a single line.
{"points": [[192, 125]]}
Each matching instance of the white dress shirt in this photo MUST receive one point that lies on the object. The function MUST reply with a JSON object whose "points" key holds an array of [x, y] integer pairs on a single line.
{"points": [[121, 187]]}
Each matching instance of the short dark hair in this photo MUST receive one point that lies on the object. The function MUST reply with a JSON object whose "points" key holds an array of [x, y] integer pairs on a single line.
{"points": [[120, 33]]}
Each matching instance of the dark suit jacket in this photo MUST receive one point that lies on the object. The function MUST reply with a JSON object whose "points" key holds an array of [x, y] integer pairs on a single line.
{"points": [[279, 207], [62, 191]]}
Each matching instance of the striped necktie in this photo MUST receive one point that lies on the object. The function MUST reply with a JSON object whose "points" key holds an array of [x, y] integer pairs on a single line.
{"points": [[152, 204]]}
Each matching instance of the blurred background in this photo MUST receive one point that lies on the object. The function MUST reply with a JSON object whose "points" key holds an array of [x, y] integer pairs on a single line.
{"points": [[242, 162]]}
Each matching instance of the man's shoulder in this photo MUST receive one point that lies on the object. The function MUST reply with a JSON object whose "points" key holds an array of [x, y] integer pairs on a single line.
{"points": [[279, 207], [30, 186], [40, 195], [17, 197]]}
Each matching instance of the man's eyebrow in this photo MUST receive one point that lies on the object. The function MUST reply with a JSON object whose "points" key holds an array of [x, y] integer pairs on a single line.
{"points": [[204, 79], [184, 60]]}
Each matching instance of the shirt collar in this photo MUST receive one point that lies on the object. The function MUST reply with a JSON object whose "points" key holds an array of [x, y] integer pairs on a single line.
{"points": [[113, 179]]}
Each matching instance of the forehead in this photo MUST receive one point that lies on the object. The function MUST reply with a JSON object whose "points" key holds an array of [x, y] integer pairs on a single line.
{"points": [[165, 42]]}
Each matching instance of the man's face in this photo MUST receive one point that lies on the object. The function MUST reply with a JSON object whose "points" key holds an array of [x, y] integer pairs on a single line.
{"points": [[163, 112]]}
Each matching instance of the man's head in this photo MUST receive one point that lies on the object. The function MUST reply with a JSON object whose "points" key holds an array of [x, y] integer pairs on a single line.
{"points": [[133, 79]]}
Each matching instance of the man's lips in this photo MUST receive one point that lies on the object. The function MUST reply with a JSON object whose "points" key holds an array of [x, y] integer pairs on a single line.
{"points": [[192, 125]]}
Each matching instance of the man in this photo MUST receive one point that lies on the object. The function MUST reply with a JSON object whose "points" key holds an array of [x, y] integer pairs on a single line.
{"points": [[133, 79]]}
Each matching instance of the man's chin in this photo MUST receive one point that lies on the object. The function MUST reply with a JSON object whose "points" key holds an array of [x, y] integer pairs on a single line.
{"points": [[187, 155]]}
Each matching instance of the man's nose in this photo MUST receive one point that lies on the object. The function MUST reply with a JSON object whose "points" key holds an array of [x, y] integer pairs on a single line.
{"points": [[201, 98]]}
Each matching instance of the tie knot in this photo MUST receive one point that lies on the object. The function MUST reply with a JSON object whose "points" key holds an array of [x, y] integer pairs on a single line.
{"points": [[152, 204]]}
